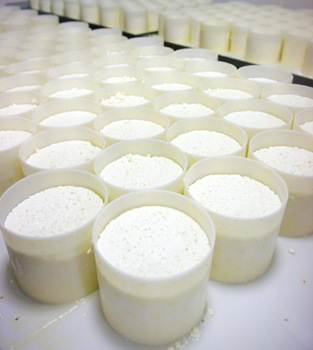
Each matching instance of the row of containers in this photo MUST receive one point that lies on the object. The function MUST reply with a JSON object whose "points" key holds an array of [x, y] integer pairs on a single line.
{"points": [[261, 34]]}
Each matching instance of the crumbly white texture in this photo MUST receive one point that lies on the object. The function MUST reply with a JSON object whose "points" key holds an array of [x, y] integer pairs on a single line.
{"points": [[120, 99], [254, 119], [115, 80], [263, 80], [232, 94], [210, 74], [292, 100], [74, 75], [206, 143], [159, 69], [10, 138], [153, 241], [16, 109], [235, 195], [187, 110], [68, 118], [171, 86], [24, 88], [308, 127], [292, 160], [74, 92], [63, 154], [131, 129], [54, 211], [139, 172]]}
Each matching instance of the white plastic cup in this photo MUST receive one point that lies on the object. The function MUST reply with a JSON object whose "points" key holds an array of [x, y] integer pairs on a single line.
{"points": [[23, 82], [244, 247], [189, 54], [110, 14], [114, 60], [142, 147], [134, 19], [152, 311], [55, 135], [160, 64], [89, 11], [11, 170], [177, 29], [56, 269], [215, 35], [131, 113], [301, 118], [72, 56], [73, 69], [211, 69], [153, 40], [72, 9], [151, 51], [45, 20], [298, 219], [34, 54]]}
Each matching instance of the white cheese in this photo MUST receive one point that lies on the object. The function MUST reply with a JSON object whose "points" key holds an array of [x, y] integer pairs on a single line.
{"points": [[154, 242], [263, 80], [254, 119], [24, 88], [187, 110], [63, 154], [232, 94], [235, 195], [74, 75], [115, 80], [210, 74], [16, 109], [206, 143], [159, 69], [120, 99], [10, 138], [308, 127], [54, 211], [131, 129], [292, 160], [292, 100], [139, 172], [171, 86], [75, 92], [68, 118]]}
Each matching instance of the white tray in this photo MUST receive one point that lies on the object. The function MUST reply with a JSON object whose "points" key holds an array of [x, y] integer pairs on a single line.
{"points": [[273, 313]]}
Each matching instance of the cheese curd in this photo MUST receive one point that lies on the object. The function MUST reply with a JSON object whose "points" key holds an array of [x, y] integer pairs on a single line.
{"points": [[153, 241], [263, 80], [54, 211], [159, 69], [10, 138], [16, 109], [75, 92], [120, 99], [68, 118], [232, 94], [308, 127], [187, 110], [171, 86], [235, 195], [292, 160], [131, 129], [210, 74], [292, 100], [206, 143], [63, 154], [254, 119], [116, 80], [135, 171]]}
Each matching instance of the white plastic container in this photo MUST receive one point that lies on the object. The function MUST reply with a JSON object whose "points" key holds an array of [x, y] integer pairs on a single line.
{"points": [[74, 69], [34, 54], [23, 82], [307, 68], [45, 20], [153, 310], [263, 106], [195, 54], [134, 19], [160, 64], [142, 147], [105, 31], [72, 56], [72, 9], [29, 66], [89, 11], [122, 59], [110, 14], [151, 51], [302, 118], [298, 219], [131, 113], [244, 247], [264, 75], [209, 124], [11, 170], [73, 46], [211, 69], [66, 105], [55, 135], [153, 40], [56, 269], [215, 35], [177, 29]]}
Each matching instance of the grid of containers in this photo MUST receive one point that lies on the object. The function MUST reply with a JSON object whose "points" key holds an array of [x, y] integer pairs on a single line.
{"points": [[37, 52]]}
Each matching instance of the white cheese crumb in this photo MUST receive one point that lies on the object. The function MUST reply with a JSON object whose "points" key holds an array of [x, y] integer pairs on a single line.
{"points": [[308, 127], [131, 129], [195, 333], [75, 92], [24, 88], [235, 195], [116, 80], [206, 143], [263, 80], [292, 100], [120, 99], [254, 119], [292, 160], [63, 154], [292, 251], [54, 211], [16, 109], [187, 110], [68, 118], [153, 241], [171, 86], [10, 138], [231, 94], [210, 312], [140, 172]]}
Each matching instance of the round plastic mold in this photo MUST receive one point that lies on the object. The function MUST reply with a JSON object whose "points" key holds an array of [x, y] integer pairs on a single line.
{"points": [[23, 82], [151, 51], [69, 70], [302, 118], [211, 69], [160, 64], [28, 66], [191, 54]]}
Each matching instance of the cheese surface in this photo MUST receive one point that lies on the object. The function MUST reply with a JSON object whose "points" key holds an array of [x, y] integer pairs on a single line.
{"points": [[171, 86], [63, 154], [307, 126], [120, 99], [292, 100], [254, 119], [10, 138], [54, 211], [68, 118], [153, 241], [187, 110], [139, 172], [232, 94], [16, 109], [235, 195], [75, 92]]}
